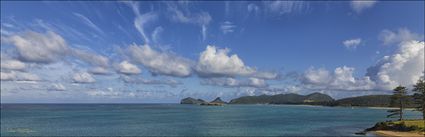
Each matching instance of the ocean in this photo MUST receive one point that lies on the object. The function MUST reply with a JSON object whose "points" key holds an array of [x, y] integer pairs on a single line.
{"points": [[186, 120]]}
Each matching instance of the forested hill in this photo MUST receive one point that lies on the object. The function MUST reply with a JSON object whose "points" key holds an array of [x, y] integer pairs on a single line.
{"points": [[283, 99], [371, 101], [321, 99]]}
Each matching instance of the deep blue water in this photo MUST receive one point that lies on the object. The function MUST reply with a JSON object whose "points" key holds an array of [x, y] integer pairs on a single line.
{"points": [[186, 120]]}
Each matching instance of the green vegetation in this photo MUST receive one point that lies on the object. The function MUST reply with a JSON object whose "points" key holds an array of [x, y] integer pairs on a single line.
{"points": [[419, 96], [322, 99], [405, 125], [315, 98], [398, 99], [411, 123]]}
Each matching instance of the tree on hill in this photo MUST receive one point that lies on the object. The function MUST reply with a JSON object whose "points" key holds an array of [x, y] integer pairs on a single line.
{"points": [[419, 95], [398, 100]]}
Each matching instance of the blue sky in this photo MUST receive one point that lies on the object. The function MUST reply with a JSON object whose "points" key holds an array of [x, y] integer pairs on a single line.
{"points": [[163, 51]]}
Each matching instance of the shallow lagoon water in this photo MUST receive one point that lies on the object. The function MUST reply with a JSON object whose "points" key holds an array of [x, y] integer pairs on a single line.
{"points": [[186, 120]]}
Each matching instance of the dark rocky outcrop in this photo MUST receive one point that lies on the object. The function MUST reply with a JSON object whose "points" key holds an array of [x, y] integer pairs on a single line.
{"points": [[218, 100], [190, 100]]}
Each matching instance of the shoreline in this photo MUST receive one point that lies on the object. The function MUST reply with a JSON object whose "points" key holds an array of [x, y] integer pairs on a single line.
{"points": [[387, 133]]}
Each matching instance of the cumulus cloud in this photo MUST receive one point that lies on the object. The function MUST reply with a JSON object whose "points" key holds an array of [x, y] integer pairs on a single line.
{"points": [[394, 37], [12, 64], [91, 58], [215, 62], [38, 47], [99, 71], [352, 43], [7, 76], [19, 76], [232, 82], [340, 79], [127, 68], [83, 77], [405, 66], [49, 47], [359, 5], [163, 63], [227, 27]]}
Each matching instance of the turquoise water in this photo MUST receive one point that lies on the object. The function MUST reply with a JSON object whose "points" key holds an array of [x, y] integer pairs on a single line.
{"points": [[185, 120]]}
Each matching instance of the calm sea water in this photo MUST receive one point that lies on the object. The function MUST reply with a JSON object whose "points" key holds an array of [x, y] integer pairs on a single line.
{"points": [[185, 120]]}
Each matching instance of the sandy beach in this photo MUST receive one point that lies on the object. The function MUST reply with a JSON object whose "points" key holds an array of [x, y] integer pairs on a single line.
{"points": [[398, 134]]}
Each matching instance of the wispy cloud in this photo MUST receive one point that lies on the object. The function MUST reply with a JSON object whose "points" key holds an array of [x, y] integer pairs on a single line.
{"points": [[89, 23], [360, 5], [285, 7], [142, 20], [202, 19], [227, 27], [232, 82]]}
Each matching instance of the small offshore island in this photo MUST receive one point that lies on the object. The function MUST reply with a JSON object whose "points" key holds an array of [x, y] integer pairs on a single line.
{"points": [[387, 128]]}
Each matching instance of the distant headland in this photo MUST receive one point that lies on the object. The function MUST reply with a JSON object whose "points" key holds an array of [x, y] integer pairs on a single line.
{"points": [[310, 99]]}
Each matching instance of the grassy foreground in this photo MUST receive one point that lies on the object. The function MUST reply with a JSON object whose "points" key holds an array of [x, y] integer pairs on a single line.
{"points": [[412, 123], [412, 126]]}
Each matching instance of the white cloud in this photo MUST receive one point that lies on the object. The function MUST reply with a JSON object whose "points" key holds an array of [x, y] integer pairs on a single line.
{"points": [[57, 87], [227, 27], [394, 37], [24, 76], [231, 82], [266, 75], [12, 64], [99, 71], [403, 67], [109, 92], [19, 76], [83, 77], [89, 23], [127, 68], [359, 5], [255, 82], [285, 7], [38, 47], [139, 80], [340, 79], [91, 58], [142, 20], [160, 62], [7, 76], [156, 34], [252, 8], [352, 43], [215, 62], [202, 18]]}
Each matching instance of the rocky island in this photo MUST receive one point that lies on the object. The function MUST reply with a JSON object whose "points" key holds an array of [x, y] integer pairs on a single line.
{"points": [[215, 102]]}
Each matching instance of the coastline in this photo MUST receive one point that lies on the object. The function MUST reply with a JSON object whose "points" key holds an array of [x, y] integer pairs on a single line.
{"points": [[387, 133]]}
